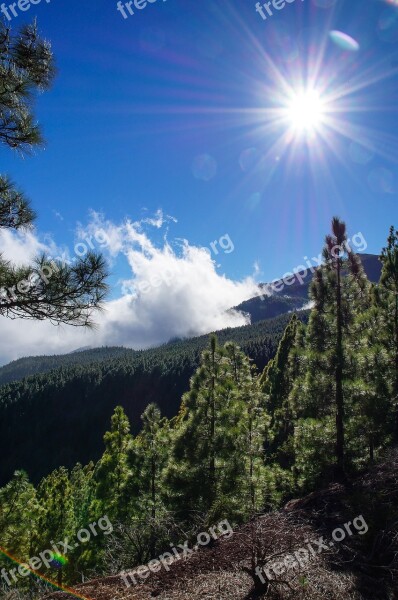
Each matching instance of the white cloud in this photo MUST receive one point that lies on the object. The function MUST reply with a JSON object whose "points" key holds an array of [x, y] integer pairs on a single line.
{"points": [[22, 246], [174, 290], [308, 305]]}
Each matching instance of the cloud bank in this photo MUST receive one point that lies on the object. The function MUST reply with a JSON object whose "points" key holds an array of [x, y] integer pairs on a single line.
{"points": [[173, 290]]}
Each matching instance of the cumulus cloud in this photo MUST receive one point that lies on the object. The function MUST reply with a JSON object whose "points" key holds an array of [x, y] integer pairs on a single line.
{"points": [[174, 290], [22, 246]]}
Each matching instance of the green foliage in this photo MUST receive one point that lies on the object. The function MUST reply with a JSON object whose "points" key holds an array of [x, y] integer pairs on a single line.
{"points": [[147, 460], [83, 490], [324, 387], [15, 210], [314, 448], [240, 443], [277, 381], [388, 303], [56, 515], [45, 289], [26, 67], [218, 443], [56, 507], [111, 473], [19, 508], [82, 389], [32, 365]]}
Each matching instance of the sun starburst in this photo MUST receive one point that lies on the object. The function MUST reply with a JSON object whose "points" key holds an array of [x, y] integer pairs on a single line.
{"points": [[305, 111]]}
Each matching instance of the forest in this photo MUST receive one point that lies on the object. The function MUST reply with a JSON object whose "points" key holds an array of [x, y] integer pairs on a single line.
{"points": [[244, 441], [75, 394]]}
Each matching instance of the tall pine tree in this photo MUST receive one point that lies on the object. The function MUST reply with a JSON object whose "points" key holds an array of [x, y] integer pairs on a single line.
{"points": [[323, 392], [111, 473], [218, 442], [389, 305]]}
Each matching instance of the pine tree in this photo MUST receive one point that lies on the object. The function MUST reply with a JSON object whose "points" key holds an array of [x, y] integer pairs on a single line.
{"points": [[371, 421], [19, 510], [84, 556], [388, 302], [277, 382], [45, 289], [191, 475], [340, 292], [82, 489], [248, 431], [56, 511], [217, 445], [111, 473], [147, 460]]}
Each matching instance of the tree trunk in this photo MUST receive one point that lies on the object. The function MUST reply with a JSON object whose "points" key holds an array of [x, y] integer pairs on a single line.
{"points": [[153, 487], [152, 541], [252, 494], [260, 585], [340, 470], [395, 393]]}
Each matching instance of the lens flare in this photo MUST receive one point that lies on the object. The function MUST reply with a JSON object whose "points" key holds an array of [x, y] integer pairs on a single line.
{"points": [[58, 560], [68, 590], [204, 167], [344, 41]]}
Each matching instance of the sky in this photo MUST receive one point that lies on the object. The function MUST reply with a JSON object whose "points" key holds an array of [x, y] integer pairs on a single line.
{"points": [[175, 144]]}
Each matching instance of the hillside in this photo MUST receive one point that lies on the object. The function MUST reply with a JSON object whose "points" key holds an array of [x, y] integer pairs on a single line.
{"points": [[290, 298], [30, 365], [295, 544], [270, 306], [75, 394], [201, 395], [246, 450], [295, 295], [59, 417]]}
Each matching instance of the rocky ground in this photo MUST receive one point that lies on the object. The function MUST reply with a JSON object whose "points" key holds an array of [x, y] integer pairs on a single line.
{"points": [[362, 566]]}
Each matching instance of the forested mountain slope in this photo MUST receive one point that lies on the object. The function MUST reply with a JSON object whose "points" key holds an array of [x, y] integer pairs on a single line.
{"points": [[58, 418], [30, 365], [294, 294], [57, 415], [287, 299]]}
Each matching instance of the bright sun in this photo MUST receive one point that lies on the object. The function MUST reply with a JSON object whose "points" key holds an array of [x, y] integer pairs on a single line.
{"points": [[305, 111]]}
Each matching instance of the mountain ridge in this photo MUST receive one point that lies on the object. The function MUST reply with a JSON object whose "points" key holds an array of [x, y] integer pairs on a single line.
{"points": [[259, 308], [295, 294]]}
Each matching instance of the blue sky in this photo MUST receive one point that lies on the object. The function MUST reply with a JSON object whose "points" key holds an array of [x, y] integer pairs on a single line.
{"points": [[137, 100]]}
